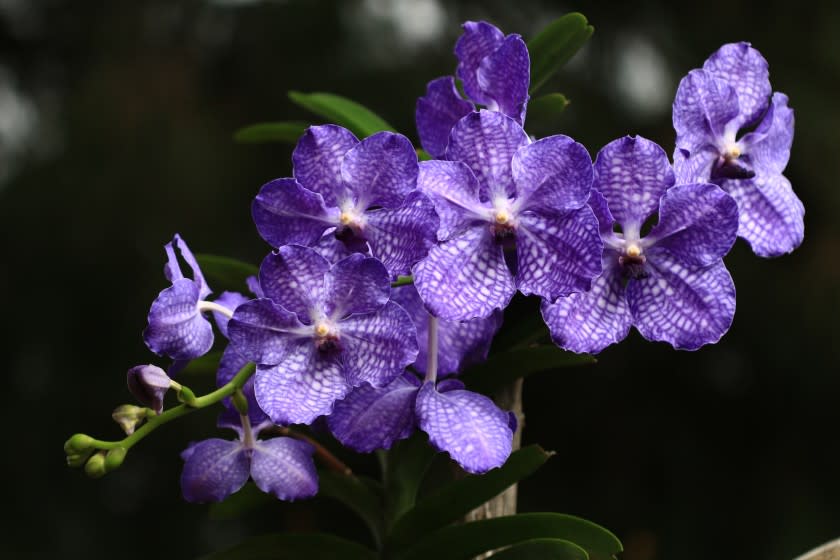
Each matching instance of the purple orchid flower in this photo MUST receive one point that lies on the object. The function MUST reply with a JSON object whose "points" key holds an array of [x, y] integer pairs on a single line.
{"points": [[177, 328], [734, 132], [496, 73], [461, 343], [362, 193], [476, 433], [671, 284], [320, 331], [499, 188], [216, 468]]}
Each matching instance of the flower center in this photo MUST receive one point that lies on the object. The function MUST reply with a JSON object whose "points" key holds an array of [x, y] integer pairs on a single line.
{"points": [[502, 219], [632, 260], [326, 337], [730, 164], [633, 251], [351, 217], [732, 152]]}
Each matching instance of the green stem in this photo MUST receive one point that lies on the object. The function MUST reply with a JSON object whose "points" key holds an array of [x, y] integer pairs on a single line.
{"points": [[402, 281], [154, 422]]}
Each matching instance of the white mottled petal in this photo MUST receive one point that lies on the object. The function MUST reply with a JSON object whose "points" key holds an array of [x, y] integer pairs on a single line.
{"points": [[558, 254], [771, 216], [684, 306], [467, 425], [301, 387], [377, 347], [588, 322], [465, 277]]}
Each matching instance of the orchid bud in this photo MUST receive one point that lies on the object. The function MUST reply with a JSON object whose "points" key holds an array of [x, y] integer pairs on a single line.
{"points": [[77, 444], [95, 467], [114, 458], [149, 384], [77, 460], [129, 417]]}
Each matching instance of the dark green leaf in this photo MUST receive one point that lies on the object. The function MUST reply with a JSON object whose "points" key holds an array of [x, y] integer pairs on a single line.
{"points": [[288, 132], [543, 549], [544, 113], [458, 498], [462, 542], [555, 45], [423, 155], [505, 367], [339, 110], [527, 329], [404, 465], [248, 499], [361, 495], [295, 546], [207, 364], [225, 273]]}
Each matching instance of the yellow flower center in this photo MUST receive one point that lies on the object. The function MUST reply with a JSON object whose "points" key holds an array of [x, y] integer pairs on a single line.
{"points": [[502, 217]]}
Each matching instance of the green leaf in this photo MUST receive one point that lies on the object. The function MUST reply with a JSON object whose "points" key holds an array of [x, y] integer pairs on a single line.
{"points": [[207, 364], [295, 546], [362, 495], [225, 272], [423, 155], [461, 542], [555, 45], [339, 110], [404, 466], [505, 367], [288, 131], [248, 499], [458, 498], [543, 549], [544, 113]]}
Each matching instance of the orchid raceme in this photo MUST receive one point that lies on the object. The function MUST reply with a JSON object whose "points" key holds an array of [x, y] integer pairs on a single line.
{"points": [[732, 130], [388, 277]]}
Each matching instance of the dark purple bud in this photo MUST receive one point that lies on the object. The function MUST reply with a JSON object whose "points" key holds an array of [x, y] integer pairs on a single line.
{"points": [[149, 384]]}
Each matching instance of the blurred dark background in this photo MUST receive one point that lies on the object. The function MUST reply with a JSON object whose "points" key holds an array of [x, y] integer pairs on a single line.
{"points": [[115, 132]]}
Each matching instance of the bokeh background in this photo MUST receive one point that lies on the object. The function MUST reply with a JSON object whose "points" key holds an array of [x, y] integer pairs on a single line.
{"points": [[115, 132]]}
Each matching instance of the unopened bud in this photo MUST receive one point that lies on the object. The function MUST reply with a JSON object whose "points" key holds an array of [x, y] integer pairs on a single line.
{"points": [[77, 444], [95, 467], [114, 458], [76, 460], [149, 385], [129, 417]]}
